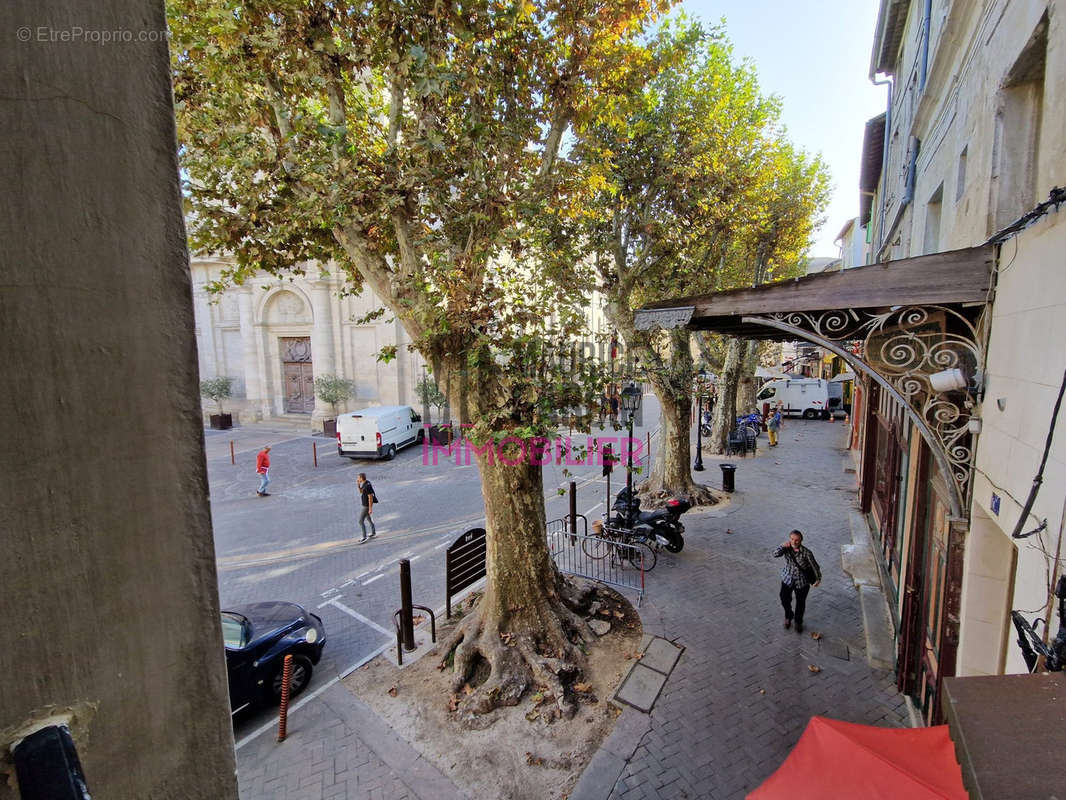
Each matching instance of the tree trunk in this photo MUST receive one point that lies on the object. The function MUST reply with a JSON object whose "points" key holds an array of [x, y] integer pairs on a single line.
{"points": [[671, 474], [724, 418], [746, 384], [526, 627]]}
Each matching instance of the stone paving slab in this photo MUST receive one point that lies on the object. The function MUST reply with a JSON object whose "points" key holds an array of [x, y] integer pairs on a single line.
{"points": [[641, 687], [836, 650], [661, 655]]}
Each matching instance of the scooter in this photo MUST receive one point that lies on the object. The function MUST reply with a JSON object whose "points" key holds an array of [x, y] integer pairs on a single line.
{"points": [[662, 526]]}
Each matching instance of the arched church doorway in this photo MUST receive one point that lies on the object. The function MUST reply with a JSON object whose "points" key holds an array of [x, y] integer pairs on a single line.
{"points": [[297, 374]]}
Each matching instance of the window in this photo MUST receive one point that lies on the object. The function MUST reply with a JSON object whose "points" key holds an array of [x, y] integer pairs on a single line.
{"points": [[234, 630], [931, 240], [1016, 138]]}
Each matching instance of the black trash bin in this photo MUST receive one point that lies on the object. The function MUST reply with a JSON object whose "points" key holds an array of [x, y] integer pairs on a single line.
{"points": [[728, 471]]}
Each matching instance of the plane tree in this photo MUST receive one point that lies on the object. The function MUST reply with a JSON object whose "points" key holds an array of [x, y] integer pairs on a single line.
{"points": [[678, 168], [417, 147], [785, 208]]}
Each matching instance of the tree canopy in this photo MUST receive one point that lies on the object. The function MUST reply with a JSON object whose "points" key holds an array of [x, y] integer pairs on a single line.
{"points": [[418, 147], [693, 187]]}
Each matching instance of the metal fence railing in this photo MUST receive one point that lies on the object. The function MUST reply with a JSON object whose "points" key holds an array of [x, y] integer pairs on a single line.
{"points": [[608, 560]]}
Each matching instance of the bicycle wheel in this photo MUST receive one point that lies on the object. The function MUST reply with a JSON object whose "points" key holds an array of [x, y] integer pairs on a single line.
{"points": [[642, 549], [595, 547], [755, 428]]}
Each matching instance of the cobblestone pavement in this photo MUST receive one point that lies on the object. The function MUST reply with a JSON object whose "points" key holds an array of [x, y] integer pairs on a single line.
{"points": [[742, 692], [734, 705], [337, 749]]}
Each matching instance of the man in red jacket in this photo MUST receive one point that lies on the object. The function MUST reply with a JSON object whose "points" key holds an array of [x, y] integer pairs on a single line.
{"points": [[262, 468]]}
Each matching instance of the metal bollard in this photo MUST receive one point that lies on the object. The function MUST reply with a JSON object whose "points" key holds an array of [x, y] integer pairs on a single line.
{"points": [[573, 506], [407, 622], [232, 458], [314, 446], [283, 708]]}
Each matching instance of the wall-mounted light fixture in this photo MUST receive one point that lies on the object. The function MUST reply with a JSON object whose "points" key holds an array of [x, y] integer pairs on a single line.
{"points": [[1001, 403], [948, 379]]}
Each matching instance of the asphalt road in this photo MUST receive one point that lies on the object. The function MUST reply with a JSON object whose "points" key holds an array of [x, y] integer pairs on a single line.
{"points": [[300, 544]]}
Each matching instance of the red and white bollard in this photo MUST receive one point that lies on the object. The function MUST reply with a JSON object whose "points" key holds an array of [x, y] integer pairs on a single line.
{"points": [[283, 709]]}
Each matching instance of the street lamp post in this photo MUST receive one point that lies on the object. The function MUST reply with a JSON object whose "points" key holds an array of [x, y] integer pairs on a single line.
{"points": [[698, 466], [630, 404]]}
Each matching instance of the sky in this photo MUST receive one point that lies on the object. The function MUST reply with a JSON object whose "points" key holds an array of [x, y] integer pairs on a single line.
{"points": [[815, 56]]}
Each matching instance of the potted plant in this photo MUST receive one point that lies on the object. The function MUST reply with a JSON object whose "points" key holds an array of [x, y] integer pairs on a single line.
{"points": [[332, 389], [430, 394], [218, 389]]}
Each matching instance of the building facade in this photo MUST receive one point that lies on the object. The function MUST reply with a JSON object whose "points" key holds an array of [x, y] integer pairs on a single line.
{"points": [[972, 142], [274, 336]]}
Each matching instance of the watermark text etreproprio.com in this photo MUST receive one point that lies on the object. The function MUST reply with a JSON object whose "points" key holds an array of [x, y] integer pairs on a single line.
{"points": [[76, 34]]}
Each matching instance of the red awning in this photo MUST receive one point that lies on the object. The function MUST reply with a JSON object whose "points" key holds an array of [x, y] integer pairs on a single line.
{"points": [[842, 759]]}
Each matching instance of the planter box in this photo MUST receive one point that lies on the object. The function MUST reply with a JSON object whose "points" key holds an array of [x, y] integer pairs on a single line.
{"points": [[329, 427], [221, 422]]}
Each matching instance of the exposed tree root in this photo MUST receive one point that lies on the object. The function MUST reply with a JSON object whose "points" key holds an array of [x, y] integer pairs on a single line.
{"points": [[547, 654], [654, 494]]}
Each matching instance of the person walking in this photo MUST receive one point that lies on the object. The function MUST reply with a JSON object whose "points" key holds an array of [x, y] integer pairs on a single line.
{"points": [[368, 498], [773, 426], [798, 574], [262, 469]]}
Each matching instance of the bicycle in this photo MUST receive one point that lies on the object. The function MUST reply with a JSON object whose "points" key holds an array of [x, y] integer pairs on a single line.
{"points": [[622, 545]]}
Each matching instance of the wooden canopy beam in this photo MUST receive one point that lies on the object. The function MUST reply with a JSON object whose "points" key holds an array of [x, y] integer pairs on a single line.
{"points": [[956, 277]]}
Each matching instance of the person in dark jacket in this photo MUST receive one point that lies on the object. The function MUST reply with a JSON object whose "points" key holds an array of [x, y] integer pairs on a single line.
{"points": [[367, 498], [799, 572]]}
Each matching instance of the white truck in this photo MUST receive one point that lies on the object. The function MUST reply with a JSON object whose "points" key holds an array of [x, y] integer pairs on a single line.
{"points": [[806, 396], [378, 431]]}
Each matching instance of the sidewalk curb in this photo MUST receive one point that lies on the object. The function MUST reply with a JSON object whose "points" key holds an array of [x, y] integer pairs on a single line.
{"points": [[418, 774], [604, 770], [857, 560]]}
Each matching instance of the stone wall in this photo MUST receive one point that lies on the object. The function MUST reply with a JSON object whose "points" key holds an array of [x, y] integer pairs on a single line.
{"points": [[108, 580]]}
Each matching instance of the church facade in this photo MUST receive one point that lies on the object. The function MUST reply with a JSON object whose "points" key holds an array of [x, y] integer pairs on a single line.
{"points": [[275, 336]]}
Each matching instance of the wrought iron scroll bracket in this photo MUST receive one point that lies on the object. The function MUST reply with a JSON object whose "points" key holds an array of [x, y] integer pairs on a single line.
{"points": [[901, 349]]}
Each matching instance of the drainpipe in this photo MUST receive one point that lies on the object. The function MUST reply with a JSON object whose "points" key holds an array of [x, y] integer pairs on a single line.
{"points": [[927, 19], [884, 163]]}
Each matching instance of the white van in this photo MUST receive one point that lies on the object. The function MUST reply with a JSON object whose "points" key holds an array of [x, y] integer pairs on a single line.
{"points": [[806, 396], [378, 431]]}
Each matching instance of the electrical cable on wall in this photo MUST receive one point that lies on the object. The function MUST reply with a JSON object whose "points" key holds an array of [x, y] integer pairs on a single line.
{"points": [[1039, 479], [1056, 197]]}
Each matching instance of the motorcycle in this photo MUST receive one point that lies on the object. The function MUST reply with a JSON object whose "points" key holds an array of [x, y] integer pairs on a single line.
{"points": [[662, 526], [705, 424], [753, 421]]}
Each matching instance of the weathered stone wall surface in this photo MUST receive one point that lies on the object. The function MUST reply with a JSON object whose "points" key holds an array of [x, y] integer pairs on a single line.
{"points": [[107, 580]]}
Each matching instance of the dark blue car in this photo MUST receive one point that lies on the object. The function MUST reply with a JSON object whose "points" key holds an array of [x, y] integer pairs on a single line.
{"points": [[258, 636]]}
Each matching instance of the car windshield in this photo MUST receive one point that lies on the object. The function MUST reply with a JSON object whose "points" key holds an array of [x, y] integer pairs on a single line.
{"points": [[235, 630], [766, 393]]}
